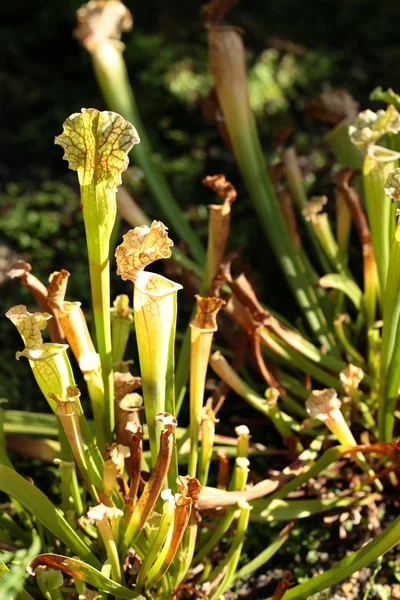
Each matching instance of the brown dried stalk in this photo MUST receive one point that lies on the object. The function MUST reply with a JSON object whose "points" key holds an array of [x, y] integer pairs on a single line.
{"points": [[219, 224], [188, 494], [136, 446], [153, 487], [211, 498]]}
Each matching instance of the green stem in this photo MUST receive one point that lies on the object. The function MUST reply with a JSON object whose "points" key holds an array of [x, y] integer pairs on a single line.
{"points": [[113, 80], [227, 59], [239, 481], [231, 560], [346, 344], [349, 565], [265, 555], [296, 187], [377, 166], [346, 152], [96, 200], [4, 458], [390, 355]]}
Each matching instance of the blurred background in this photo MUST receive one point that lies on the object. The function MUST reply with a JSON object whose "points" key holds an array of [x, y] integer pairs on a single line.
{"points": [[295, 50]]}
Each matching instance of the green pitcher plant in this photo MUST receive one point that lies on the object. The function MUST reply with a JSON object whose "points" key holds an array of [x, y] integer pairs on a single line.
{"points": [[149, 506]]}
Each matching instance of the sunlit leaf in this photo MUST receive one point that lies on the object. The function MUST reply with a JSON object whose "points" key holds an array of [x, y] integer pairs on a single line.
{"points": [[84, 572], [39, 505]]}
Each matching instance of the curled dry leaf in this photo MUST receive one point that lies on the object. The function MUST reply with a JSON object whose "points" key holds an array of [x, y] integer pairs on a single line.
{"points": [[189, 488], [142, 246], [221, 186], [84, 572], [102, 21], [96, 145], [206, 315], [369, 126]]}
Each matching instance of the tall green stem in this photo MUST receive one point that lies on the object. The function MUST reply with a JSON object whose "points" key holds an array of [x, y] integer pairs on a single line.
{"points": [[227, 62], [113, 80], [96, 146], [378, 163]]}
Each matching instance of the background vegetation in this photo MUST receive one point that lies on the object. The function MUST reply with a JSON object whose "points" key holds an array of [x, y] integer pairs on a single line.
{"points": [[295, 50]]}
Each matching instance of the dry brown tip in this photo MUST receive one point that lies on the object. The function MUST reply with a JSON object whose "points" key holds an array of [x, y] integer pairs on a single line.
{"points": [[322, 402], [313, 207], [225, 189], [57, 288], [125, 383], [214, 12], [351, 377], [206, 315], [101, 21], [18, 269], [170, 423], [189, 488]]}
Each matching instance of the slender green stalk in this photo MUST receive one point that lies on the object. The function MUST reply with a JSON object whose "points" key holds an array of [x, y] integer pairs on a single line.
{"points": [[4, 458], [344, 341], [96, 146], [265, 555], [227, 61], [346, 153], [239, 483], [296, 187], [378, 163], [159, 539], [207, 444], [343, 223], [231, 559], [349, 565], [70, 493], [110, 69], [202, 330], [323, 231], [390, 363], [295, 359], [270, 410], [121, 326]]}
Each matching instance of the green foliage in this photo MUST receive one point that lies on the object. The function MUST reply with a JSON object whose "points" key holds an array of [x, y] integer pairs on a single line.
{"points": [[46, 223]]}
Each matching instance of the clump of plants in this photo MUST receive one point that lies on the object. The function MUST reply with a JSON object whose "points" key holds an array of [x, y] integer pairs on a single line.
{"points": [[138, 516]]}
